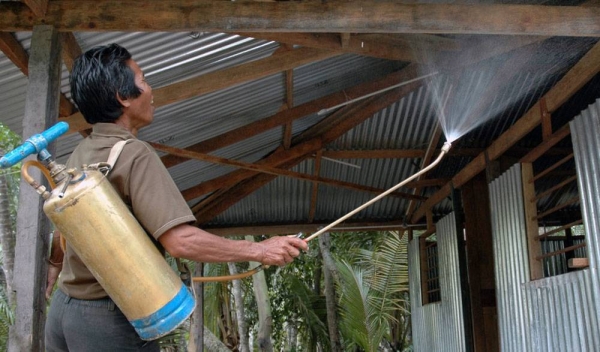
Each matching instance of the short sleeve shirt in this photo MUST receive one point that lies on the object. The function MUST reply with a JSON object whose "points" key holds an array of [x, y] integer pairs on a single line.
{"points": [[143, 183]]}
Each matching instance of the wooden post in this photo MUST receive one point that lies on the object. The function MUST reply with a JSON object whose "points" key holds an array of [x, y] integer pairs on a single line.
{"points": [[423, 269], [41, 111], [480, 259], [197, 336], [462, 269], [534, 248]]}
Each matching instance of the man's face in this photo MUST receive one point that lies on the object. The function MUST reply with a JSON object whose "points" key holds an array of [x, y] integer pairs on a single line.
{"points": [[141, 109]]}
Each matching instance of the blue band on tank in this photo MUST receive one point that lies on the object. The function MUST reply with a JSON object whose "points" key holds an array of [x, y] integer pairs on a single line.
{"points": [[167, 318]]}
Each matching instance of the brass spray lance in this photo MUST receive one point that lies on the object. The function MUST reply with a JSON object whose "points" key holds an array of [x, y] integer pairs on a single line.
{"points": [[443, 152]]}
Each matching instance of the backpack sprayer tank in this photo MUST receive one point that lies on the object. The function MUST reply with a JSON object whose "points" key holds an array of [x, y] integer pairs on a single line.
{"points": [[99, 227]]}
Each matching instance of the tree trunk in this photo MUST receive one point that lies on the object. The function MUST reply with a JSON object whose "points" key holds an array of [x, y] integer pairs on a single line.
{"points": [[197, 329], [318, 273], [292, 334], [239, 311], [330, 298], [265, 320], [7, 238], [212, 343]]}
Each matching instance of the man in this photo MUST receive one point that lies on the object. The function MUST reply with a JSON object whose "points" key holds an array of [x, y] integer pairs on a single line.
{"points": [[111, 92]]}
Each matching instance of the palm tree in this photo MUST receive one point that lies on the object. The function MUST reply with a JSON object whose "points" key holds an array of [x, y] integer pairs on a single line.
{"points": [[6, 319], [372, 292], [9, 190]]}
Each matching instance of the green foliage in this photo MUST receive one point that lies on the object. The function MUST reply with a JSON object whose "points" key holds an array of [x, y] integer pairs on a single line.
{"points": [[216, 294], [294, 304], [372, 291], [6, 319], [9, 141]]}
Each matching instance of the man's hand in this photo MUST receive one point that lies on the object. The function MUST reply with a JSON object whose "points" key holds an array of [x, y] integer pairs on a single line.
{"points": [[53, 272], [281, 250], [54, 262]]}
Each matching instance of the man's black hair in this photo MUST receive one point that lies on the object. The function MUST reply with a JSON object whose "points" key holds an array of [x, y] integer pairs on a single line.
{"points": [[98, 76]]}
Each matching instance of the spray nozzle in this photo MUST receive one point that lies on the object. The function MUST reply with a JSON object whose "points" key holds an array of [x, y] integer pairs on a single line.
{"points": [[446, 147]]}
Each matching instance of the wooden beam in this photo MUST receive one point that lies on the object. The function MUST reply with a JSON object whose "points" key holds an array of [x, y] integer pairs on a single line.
{"points": [[315, 188], [329, 128], [342, 121], [14, 52], [288, 229], [289, 98], [275, 171], [239, 74], [41, 109], [38, 7], [385, 46], [549, 142], [536, 269], [395, 153], [221, 79], [291, 16], [70, 49], [578, 263], [480, 51], [581, 73], [285, 116], [277, 159]]}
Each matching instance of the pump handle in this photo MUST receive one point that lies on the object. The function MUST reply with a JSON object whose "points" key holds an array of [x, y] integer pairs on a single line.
{"points": [[34, 144]]}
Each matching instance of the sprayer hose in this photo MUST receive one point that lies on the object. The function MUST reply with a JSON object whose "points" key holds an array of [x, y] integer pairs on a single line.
{"points": [[30, 179], [445, 150], [227, 277]]}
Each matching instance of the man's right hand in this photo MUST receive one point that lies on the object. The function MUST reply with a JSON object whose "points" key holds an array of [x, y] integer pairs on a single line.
{"points": [[281, 250]]}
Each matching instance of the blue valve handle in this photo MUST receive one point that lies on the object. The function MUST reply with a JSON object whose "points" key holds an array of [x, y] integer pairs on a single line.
{"points": [[34, 144]]}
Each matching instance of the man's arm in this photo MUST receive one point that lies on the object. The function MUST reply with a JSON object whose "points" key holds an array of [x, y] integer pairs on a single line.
{"points": [[55, 262], [189, 242]]}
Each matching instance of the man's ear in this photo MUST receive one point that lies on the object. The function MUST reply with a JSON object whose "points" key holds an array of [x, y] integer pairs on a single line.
{"points": [[123, 101]]}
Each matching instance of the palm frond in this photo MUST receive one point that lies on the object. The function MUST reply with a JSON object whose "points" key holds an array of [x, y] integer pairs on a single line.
{"points": [[304, 302], [6, 319], [361, 322]]}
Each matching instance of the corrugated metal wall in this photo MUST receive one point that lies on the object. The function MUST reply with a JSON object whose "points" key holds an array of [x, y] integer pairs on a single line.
{"points": [[559, 313], [511, 260], [438, 326]]}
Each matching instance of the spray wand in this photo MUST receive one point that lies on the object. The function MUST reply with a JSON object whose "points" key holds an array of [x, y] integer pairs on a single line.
{"points": [[260, 267]]}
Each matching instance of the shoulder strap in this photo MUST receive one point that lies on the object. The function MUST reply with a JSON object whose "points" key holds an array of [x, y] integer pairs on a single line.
{"points": [[115, 152]]}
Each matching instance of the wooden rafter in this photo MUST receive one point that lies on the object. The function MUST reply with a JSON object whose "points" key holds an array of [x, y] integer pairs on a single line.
{"points": [[221, 79], [291, 16], [320, 134], [283, 229], [289, 103], [38, 7], [284, 116], [222, 199], [315, 188], [477, 52], [275, 171], [15, 53], [70, 49], [385, 46]]}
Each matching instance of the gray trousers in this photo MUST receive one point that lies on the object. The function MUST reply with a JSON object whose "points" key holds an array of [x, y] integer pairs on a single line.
{"points": [[90, 326]]}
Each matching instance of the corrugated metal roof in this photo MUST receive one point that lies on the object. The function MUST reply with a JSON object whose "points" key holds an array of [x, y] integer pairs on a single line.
{"points": [[406, 124]]}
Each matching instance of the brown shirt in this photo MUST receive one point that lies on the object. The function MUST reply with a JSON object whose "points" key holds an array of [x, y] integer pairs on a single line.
{"points": [[143, 183]]}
